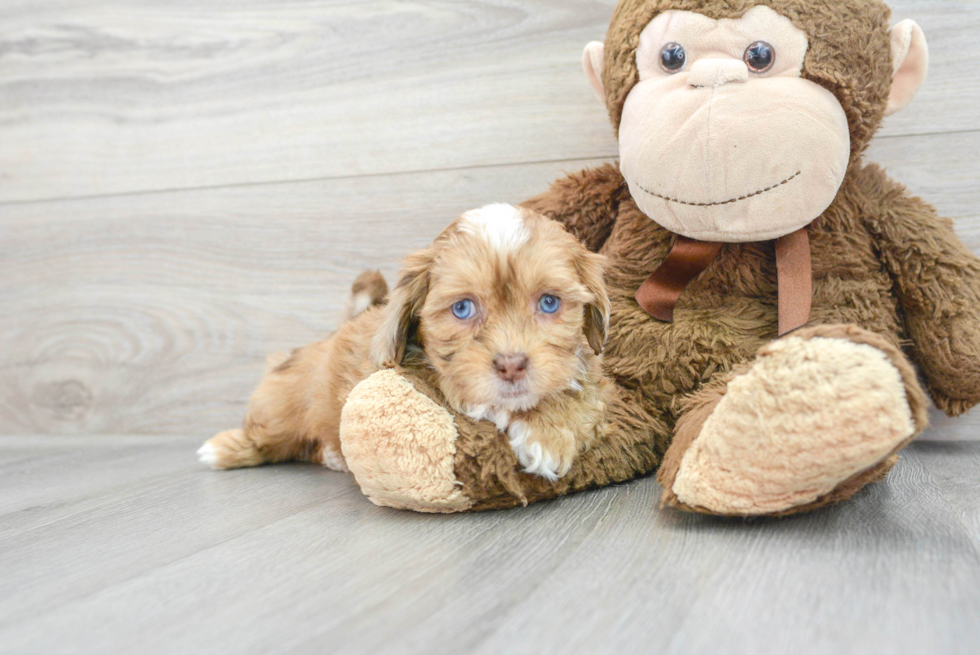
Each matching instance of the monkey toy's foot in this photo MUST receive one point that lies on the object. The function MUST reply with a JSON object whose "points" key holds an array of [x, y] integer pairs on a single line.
{"points": [[401, 446], [818, 415]]}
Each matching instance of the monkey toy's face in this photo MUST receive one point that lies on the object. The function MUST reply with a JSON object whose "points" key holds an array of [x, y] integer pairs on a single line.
{"points": [[722, 139], [731, 124]]}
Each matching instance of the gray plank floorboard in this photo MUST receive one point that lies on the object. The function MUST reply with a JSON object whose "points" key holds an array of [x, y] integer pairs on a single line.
{"points": [[153, 313], [120, 97], [955, 468], [292, 559]]}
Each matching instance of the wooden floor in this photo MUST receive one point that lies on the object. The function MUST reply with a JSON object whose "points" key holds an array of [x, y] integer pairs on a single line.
{"points": [[123, 545], [188, 186]]}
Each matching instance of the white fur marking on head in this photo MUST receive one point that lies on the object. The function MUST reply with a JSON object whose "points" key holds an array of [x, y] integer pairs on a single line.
{"points": [[501, 224], [535, 459]]}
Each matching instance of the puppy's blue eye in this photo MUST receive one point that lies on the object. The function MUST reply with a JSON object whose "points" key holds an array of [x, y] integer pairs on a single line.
{"points": [[464, 310], [549, 304]]}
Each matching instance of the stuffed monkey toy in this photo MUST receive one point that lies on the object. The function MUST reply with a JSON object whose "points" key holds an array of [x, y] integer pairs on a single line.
{"points": [[774, 298]]}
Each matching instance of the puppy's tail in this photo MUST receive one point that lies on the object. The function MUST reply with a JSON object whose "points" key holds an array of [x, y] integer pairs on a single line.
{"points": [[369, 290]]}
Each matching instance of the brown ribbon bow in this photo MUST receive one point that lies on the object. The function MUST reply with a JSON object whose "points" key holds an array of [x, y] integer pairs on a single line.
{"points": [[689, 258]]}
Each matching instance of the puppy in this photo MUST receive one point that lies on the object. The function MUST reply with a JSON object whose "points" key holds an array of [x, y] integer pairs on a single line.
{"points": [[506, 306]]}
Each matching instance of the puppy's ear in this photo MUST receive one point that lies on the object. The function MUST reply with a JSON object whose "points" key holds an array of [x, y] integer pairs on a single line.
{"points": [[402, 311], [590, 268]]}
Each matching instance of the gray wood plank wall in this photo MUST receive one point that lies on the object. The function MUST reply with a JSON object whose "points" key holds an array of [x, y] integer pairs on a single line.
{"points": [[187, 186]]}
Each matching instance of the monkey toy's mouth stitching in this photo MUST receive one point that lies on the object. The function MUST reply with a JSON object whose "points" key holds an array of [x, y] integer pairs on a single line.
{"points": [[724, 202]]}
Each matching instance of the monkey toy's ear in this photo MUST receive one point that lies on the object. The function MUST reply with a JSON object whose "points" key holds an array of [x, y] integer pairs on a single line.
{"points": [[592, 62], [910, 61]]}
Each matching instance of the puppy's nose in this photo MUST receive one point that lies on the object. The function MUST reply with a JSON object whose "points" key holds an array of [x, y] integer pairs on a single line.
{"points": [[511, 367]]}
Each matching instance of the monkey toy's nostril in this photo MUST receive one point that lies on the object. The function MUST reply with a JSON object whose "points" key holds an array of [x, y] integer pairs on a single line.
{"points": [[511, 367]]}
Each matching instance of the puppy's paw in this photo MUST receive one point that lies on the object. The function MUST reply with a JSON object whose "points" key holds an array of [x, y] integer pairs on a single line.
{"points": [[333, 459], [548, 453], [230, 449], [207, 454]]}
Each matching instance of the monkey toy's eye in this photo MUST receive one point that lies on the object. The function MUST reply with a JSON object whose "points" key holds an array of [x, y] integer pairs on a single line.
{"points": [[760, 57], [464, 310], [549, 304], [673, 57]]}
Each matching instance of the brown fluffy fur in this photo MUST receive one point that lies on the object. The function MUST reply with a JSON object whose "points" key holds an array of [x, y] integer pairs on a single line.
{"points": [[882, 260], [295, 412]]}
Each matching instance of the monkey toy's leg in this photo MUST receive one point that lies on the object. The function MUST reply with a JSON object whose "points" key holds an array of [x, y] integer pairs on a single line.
{"points": [[407, 451], [818, 415]]}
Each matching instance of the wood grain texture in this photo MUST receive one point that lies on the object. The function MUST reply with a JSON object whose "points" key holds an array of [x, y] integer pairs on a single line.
{"points": [[955, 468], [292, 559], [153, 314], [150, 311], [119, 97]]}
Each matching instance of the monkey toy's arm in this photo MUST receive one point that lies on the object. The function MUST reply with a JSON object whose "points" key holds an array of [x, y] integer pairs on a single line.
{"points": [[586, 203], [937, 281]]}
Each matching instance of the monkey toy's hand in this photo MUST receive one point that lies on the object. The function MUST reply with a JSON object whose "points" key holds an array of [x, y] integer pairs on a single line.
{"points": [[950, 359], [937, 282]]}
